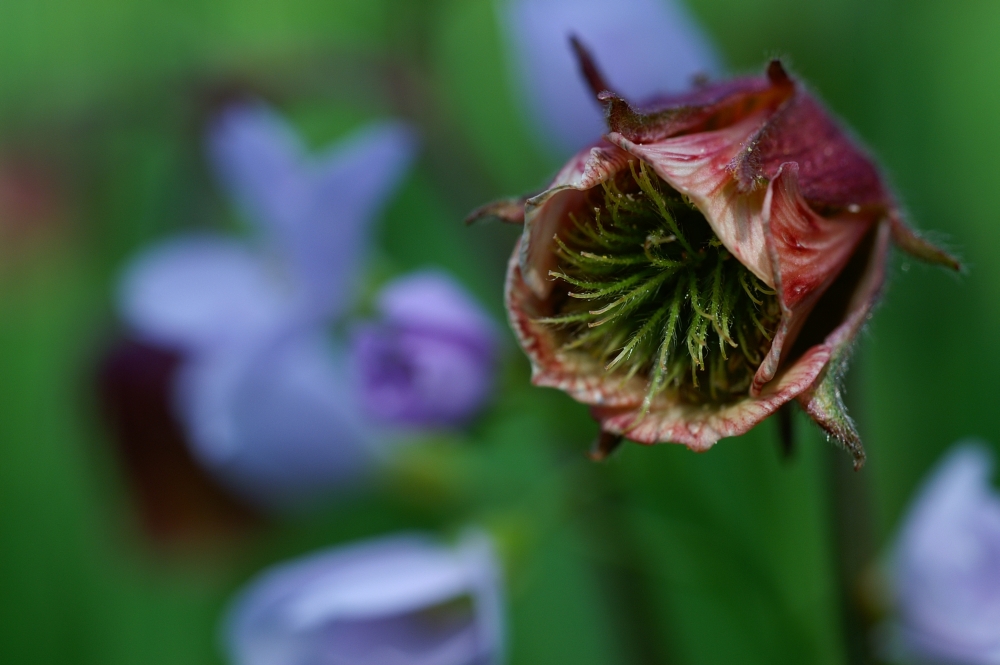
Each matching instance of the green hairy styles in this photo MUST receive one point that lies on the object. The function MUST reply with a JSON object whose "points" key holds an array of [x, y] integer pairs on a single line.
{"points": [[650, 290]]}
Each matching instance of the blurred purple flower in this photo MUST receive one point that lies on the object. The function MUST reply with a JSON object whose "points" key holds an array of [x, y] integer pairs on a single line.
{"points": [[946, 571], [398, 600], [262, 392], [430, 359], [646, 47]]}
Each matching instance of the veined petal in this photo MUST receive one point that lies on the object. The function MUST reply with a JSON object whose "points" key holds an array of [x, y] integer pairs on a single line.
{"points": [[645, 47], [834, 172], [421, 377], [273, 417], [807, 254], [698, 166], [197, 291]]}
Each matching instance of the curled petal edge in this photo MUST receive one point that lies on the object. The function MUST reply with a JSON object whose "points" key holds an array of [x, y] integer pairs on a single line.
{"points": [[813, 379], [698, 166], [582, 377], [807, 253], [823, 401], [544, 213]]}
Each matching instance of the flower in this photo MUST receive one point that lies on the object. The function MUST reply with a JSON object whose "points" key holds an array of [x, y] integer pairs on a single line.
{"points": [[634, 40], [709, 259], [430, 360], [262, 388], [397, 600], [946, 564]]}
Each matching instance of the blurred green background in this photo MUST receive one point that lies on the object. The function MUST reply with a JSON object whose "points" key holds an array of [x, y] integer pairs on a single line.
{"points": [[659, 555]]}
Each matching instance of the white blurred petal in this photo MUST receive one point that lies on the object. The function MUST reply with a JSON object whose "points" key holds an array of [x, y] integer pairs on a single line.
{"points": [[643, 47], [273, 418], [399, 600], [947, 564], [197, 291]]}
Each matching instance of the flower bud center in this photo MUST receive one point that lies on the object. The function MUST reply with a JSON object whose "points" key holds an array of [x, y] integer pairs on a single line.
{"points": [[648, 289]]}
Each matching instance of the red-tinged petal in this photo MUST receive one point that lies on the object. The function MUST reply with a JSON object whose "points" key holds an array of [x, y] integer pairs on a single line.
{"points": [[822, 401], [807, 253], [698, 165], [787, 192], [703, 109], [699, 427], [582, 377], [544, 214], [833, 172]]}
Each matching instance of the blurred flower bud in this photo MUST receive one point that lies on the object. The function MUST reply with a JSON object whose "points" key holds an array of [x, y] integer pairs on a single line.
{"points": [[430, 359], [177, 501], [398, 600], [261, 391], [946, 565], [708, 260], [646, 46]]}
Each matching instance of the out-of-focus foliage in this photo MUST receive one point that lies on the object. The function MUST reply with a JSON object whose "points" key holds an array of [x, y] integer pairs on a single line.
{"points": [[723, 557]]}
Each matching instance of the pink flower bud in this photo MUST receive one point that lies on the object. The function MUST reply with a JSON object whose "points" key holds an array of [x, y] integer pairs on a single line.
{"points": [[709, 259]]}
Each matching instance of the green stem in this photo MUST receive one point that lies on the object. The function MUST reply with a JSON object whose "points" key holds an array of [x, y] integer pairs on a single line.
{"points": [[853, 533]]}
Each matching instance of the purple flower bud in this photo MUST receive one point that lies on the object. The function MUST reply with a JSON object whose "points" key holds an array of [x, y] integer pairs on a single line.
{"points": [[646, 47], [398, 600], [430, 359], [947, 565]]}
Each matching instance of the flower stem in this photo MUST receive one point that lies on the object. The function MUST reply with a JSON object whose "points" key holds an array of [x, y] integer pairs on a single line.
{"points": [[853, 534], [619, 566]]}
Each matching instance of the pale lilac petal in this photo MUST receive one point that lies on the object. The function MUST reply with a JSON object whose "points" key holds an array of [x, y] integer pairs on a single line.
{"points": [[947, 564], [198, 291], [260, 160], [274, 419], [643, 47], [317, 209], [432, 300], [399, 600], [431, 358], [350, 185]]}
